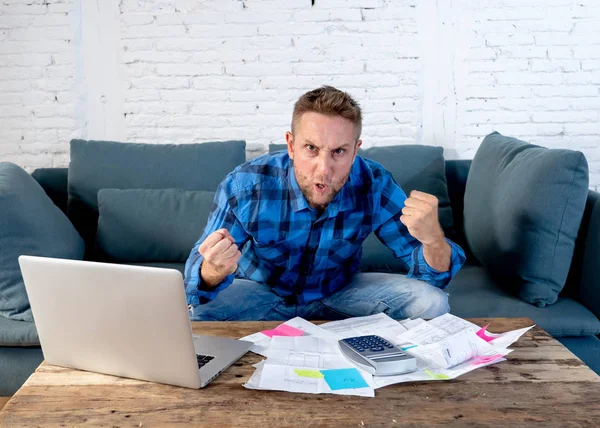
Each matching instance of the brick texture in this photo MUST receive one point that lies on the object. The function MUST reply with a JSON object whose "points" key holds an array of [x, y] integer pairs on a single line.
{"points": [[37, 79]]}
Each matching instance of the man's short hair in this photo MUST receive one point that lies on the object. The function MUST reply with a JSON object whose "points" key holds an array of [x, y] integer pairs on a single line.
{"points": [[329, 101]]}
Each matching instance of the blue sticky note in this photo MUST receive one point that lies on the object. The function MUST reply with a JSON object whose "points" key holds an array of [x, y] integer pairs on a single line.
{"points": [[344, 379]]}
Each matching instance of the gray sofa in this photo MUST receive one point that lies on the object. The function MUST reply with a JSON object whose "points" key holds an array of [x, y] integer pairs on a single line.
{"points": [[147, 205]]}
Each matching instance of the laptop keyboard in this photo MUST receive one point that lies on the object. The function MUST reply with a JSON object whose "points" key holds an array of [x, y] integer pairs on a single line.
{"points": [[203, 359]]}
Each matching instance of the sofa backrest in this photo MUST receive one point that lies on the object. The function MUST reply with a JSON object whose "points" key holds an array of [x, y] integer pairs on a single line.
{"points": [[97, 165], [55, 182]]}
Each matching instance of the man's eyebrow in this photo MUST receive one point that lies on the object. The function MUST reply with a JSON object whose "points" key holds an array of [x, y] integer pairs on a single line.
{"points": [[343, 146]]}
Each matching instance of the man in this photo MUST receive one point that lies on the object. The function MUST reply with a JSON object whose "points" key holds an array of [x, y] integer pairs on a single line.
{"points": [[291, 225]]}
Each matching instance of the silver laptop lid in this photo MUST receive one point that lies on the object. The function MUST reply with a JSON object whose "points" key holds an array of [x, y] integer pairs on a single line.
{"points": [[127, 321]]}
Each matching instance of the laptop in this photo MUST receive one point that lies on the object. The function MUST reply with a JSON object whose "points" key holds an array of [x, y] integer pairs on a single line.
{"points": [[122, 320]]}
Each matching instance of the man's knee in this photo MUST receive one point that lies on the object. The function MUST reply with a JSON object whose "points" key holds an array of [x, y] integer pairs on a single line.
{"points": [[428, 302], [438, 303]]}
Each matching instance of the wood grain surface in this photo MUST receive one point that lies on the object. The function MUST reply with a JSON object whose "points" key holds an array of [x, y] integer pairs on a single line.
{"points": [[540, 383]]}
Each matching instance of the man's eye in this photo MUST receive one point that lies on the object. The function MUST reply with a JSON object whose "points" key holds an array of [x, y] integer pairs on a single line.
{"points": [[310, 148], [339, 151]]}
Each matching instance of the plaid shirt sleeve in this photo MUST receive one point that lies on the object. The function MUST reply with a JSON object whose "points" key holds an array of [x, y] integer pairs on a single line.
{"points": [[396, 237], [221, 216], [421, 270]]}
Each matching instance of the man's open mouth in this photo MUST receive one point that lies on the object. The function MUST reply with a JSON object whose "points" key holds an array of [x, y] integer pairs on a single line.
{"points": [[320, 187]]}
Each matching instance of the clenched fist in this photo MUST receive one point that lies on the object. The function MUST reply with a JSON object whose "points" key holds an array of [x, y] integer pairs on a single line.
{"points": [[221, 256], [420, 216]]}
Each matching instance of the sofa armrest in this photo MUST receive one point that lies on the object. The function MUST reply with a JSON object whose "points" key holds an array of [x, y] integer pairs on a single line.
{"points": [[589, 253]]}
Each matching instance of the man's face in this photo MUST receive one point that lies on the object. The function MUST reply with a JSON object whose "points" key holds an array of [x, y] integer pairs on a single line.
{"points": [[323, 149]]}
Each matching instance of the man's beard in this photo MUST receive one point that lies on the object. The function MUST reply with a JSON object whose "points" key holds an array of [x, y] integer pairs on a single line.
{"points": [[307, 187]]}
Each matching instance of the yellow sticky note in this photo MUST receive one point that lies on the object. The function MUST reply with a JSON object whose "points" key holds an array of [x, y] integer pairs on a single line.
{"points": [[308, 373], [437, 376]]}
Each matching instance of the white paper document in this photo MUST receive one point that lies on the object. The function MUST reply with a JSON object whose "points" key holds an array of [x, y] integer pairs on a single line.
{"points": [[504, 340], [425, 373], [379, 324], [297, 364], [291, 379], [262, 341], [306, 351], [452, 324], [452, 350], [447, 341], [408, 323], [435, 330], [303, 357], [309, 328]]}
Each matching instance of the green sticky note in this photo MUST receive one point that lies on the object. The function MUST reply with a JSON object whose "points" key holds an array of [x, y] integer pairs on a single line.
{"points": [[344, 379], [308, 373], [437, 376]]}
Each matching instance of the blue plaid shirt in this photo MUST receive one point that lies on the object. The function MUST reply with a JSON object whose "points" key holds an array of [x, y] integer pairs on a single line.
{"points": [[286, 245]]}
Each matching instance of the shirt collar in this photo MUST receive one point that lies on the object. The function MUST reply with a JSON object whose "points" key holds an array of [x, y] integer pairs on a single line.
{"points": [[297, 198], [346, 199]]}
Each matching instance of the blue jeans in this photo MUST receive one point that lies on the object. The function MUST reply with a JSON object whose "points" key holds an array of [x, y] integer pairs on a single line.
{"points": [[367, 294]]}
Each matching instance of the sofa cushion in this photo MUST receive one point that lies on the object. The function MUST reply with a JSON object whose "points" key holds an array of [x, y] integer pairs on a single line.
{"points": [[148, 225], [54, 181], [18, 333], [30, 224], [16, 365], [457, 172], [99, 165], [476, 293], [586, 348], [522, 209], [587, 256], [414, 167]]}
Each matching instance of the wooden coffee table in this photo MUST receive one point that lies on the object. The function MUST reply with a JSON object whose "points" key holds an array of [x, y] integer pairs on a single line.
{"points": [[542, 382]]}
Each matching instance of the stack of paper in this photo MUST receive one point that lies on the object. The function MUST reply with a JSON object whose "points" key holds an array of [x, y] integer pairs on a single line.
{"points": [[303, 357], [294, 327], [309, 364], [447, 347]]}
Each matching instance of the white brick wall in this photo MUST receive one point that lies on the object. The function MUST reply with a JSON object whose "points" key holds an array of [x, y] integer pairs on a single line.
{"points": [[37, 77], [545, 85], [443, 72]]}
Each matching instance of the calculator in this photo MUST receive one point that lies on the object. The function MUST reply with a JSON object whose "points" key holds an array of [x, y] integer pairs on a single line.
{"points": [[377, 356]]}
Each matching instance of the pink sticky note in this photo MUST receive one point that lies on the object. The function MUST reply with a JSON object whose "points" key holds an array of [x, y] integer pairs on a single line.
{"points": [[482, 333], [283, 330], [486, 359]]}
